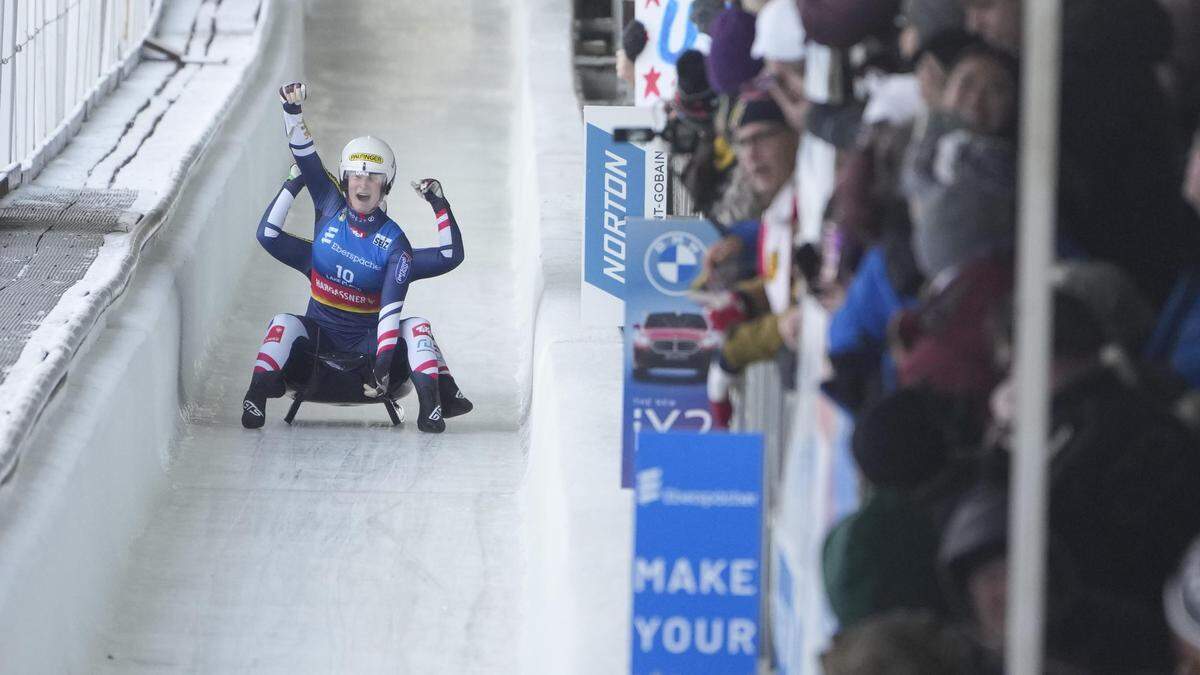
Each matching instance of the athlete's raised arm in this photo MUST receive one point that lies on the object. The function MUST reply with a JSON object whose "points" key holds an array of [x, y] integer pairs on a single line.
{"points": [[286, 248], [325, 195], [449, 253]]}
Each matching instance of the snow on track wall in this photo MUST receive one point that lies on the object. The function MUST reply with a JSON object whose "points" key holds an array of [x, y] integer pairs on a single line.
{"points": [[92, 467]]}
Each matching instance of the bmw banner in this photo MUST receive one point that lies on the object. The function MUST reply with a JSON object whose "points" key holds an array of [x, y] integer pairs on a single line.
{"points": [[668, 344], [697, 554], [621, 181]]}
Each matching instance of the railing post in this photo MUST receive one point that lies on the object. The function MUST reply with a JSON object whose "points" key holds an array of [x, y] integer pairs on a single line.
{"points": [[7, 24], [53, 56], [1037, 210]]}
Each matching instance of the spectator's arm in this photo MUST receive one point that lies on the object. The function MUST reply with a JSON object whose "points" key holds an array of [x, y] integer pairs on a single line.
{"points": [[752, 341]]}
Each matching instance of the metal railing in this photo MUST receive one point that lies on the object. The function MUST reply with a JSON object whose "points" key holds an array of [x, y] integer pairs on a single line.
{"points": [[57, 59]]}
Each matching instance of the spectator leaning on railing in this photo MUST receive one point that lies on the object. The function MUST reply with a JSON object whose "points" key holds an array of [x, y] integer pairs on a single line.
{"points": [[766, 148]]}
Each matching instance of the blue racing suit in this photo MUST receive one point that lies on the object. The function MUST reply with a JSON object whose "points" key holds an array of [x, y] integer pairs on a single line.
{"points": [[359, 265]]}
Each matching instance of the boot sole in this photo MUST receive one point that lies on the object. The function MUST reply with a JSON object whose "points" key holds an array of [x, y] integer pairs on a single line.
{"points": [[431, 429]]}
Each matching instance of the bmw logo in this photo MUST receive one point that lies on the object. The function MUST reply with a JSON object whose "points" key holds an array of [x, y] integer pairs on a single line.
{"points": [[673, 261]]}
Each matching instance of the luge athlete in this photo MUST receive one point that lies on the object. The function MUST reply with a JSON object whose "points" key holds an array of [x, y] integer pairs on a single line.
{"points": [[359, 265]]}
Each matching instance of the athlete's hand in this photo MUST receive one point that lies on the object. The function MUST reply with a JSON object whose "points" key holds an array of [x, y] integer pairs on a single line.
{"points": [[377, 388], [429, 189], [293, 93]]}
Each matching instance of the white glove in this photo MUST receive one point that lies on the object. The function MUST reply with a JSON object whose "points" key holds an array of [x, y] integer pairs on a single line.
{"points": [[293, 93], [428, 188], [377, 388]]}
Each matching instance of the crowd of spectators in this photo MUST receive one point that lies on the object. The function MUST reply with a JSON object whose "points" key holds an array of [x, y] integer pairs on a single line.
{"points": [[914, 264]]}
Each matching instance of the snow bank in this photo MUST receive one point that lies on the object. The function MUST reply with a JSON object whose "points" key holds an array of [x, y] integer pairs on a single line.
{"points": [[88, 471], [577, 520]]}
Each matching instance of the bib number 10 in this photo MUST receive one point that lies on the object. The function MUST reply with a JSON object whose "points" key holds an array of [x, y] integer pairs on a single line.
{"points": [[345, 275]]}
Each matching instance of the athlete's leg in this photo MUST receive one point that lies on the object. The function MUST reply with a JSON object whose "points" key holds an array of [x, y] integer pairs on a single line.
{"points": [[425, 363], [454, 402], [267, 381]]}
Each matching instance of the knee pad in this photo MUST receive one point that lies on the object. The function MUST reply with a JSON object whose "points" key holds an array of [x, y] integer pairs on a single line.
{"points": [[276, 347], [424, 357]]}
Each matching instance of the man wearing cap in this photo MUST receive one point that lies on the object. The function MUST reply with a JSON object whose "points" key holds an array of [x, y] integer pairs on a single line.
{"points": [[766, 149]]}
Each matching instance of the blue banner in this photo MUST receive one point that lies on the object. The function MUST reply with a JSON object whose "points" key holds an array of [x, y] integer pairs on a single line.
{"points": [[621, 181], [615, 189], [668, 344], [697, 554]]}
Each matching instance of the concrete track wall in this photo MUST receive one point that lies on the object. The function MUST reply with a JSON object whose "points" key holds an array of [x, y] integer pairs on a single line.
{"points": [[578, 520], [95, 464]]}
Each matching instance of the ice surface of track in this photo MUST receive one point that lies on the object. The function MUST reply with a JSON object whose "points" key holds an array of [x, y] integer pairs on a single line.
{"points": [[342, 545]]}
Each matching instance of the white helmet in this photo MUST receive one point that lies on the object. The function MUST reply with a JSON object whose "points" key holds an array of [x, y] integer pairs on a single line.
{"points": [[367, 153]]}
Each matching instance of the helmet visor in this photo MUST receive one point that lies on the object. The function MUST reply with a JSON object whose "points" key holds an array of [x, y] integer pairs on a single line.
{"points": [[373, 176]]}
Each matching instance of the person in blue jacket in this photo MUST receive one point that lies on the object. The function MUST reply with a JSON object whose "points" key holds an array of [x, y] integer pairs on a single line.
{"points": [[359, 266]]}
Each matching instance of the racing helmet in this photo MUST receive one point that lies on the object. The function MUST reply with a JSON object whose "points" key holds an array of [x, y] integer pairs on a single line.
{"points": [[367, 153]]}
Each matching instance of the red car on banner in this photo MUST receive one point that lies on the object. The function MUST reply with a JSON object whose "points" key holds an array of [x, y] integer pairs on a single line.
{"points": [[676, 340]]}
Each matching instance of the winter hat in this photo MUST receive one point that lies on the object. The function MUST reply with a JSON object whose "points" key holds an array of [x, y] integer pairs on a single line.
{"points": [[693, 77], [881, 558], [1181, 598], [778, 33], [930, 17], [755, 106], [976, 533], [633, 39], [901, 441], [962, 193], [1113, 299], [729, 62], [1077, 331]]}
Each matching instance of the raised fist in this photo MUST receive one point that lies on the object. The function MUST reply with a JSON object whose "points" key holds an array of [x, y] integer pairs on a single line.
{"points": [[292, 93], [429, 188]]}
